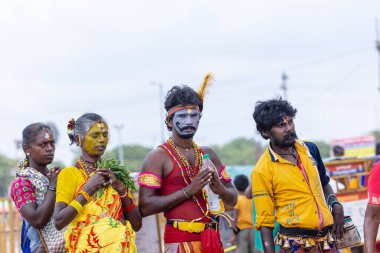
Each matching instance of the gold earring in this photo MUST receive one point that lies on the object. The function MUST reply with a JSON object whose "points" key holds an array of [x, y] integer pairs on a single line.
{"points": [[26, 161], [79, 142]]}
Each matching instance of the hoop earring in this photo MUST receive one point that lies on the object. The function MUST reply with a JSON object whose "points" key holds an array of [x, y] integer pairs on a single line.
{"points": [[79, 142]]}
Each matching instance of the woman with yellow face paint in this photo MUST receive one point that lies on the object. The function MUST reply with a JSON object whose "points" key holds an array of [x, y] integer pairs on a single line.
{"points": [[96, 207]]}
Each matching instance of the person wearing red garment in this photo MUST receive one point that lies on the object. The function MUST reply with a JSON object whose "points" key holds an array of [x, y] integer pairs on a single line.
{"points": [[171, 180]]}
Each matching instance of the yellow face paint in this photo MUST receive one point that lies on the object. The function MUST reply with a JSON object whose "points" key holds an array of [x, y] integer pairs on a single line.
{"points": [[96, 139]]}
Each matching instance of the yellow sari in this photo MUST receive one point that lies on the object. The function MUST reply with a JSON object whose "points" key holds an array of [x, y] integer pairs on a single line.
{"points": [[98, 228]]}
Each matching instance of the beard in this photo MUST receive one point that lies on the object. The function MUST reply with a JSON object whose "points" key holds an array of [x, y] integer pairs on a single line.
{"points": [[287, 141], [186, 136]]}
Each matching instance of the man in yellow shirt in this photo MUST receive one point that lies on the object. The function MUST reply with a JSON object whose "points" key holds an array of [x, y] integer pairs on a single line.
{"points": [[289, 184]]}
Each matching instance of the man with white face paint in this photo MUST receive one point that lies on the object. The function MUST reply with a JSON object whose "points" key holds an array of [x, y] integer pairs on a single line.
{"points": [[171, 180]]}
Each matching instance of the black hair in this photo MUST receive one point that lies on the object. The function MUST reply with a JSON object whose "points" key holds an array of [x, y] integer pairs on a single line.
{"points": [[30, 132], [338, 150], [83, 124], [241, 182], [270, 113], [182, 95]]}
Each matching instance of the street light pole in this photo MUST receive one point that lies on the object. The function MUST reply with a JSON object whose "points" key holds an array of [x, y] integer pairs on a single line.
{"points": [[120, 146], [161, 106]]}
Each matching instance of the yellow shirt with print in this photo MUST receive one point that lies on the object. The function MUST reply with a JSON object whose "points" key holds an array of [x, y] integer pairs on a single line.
{"points": [[279, 187]]}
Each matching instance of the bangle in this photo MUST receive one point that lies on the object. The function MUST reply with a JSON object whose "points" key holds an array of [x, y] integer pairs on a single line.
{"points": [[130, 207], [52, 188], [85, 195], [76, 205], [186, 194], [335, 202], [125, 194], [328, 197]]}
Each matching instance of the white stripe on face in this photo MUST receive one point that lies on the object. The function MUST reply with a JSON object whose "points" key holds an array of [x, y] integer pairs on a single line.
{"points": [[185, 122]]}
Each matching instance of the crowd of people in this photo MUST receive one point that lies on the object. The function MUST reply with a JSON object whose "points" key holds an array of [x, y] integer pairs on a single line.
{"points": [[86, 208]]}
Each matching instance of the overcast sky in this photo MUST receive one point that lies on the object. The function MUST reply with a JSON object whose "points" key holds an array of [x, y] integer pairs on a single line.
{"points": [[59, 59]]}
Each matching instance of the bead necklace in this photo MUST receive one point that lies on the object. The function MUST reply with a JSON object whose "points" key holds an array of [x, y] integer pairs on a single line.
{"points": [[191, 173], [86, 168], [80, 166], [205, 213]]}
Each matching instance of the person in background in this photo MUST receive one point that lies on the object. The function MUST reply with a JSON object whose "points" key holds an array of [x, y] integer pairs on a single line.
{"points": [[338, 151], [245, 239], [33, 191]]}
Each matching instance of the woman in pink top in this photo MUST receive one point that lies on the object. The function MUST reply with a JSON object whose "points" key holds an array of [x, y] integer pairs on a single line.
{"points": [[33, 191]]}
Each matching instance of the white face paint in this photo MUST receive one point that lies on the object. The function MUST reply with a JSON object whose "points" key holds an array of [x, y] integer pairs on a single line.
{"points": [[186, 121]]}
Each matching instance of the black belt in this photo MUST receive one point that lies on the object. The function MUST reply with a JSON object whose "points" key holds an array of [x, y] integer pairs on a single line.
{"points": [[302, 232]]}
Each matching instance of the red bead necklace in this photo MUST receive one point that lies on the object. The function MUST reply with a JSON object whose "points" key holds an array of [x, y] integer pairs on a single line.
{"points": [[183, 164]]}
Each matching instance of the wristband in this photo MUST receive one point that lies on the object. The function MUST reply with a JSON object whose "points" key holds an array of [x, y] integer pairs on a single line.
{"points": [[85, 195], [130, 207], [328, 198], [186, 194], [76, 205], [335, 202], [52, 188]]}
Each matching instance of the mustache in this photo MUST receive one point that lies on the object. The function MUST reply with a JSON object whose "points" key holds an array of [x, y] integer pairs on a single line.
{"points": [[186, 127]]}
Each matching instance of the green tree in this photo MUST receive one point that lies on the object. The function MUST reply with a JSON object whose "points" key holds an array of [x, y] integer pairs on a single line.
{"points": [[133, 155], [376, 133], [6, 174], [240, 151], [324, 148]]}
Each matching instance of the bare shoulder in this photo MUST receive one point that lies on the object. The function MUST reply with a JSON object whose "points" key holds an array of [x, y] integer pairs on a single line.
{"points": [[155, 161], [208, 150]]}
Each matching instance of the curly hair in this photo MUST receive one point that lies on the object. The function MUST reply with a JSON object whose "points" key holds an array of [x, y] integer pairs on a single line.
{"points": [[270, 113], [83, 124], [181, 95]]}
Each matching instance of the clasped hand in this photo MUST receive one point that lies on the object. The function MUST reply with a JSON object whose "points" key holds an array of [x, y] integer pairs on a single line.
{"points": [[103, 178], [206, 176]]}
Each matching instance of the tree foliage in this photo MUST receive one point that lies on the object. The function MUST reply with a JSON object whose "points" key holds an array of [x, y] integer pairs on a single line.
{"points": [[133, 155], [241, 151], [376, 133], [6, 174], [324, 148]]}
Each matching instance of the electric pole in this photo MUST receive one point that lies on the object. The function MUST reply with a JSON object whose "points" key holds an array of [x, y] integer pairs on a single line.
{"points": [[161, 106], [284, 86], [120, 146]]}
